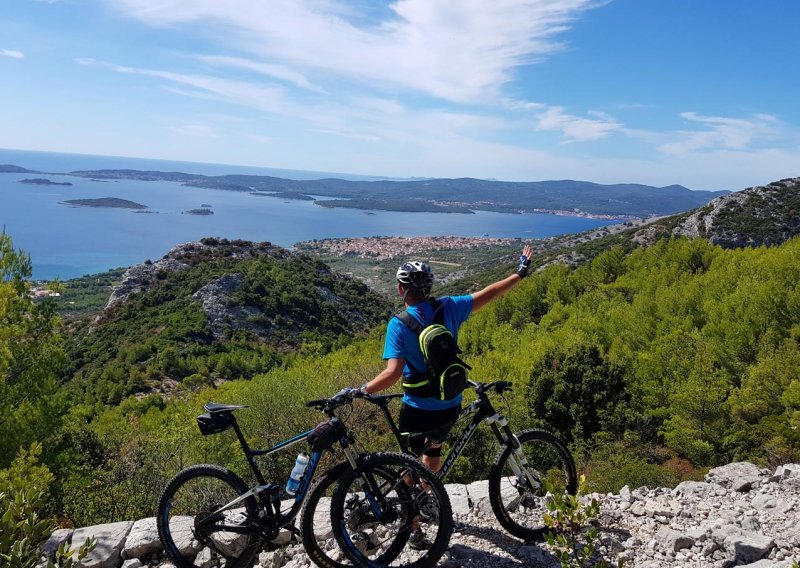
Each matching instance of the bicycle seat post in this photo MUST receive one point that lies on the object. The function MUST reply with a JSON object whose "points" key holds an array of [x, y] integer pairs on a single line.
{"points": [[246, 448]]}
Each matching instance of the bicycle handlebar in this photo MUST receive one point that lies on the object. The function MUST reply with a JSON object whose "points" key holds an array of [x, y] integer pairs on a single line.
{"points": [[499, 386], [342, 398]]}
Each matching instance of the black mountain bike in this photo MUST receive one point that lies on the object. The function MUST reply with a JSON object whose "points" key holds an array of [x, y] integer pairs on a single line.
{"points": [[208, 516], [530, 464]]}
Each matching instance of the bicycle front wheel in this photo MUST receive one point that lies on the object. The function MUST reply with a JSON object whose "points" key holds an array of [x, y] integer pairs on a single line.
{"points": [[520, 480], [200, 526], [391, 511], [318, 539]]}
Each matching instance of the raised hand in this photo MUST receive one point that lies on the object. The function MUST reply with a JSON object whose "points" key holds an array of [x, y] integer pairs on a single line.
{"points": [[524, 261]]}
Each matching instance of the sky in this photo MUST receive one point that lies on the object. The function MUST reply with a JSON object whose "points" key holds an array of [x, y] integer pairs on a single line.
{"points": [[698, 93]]}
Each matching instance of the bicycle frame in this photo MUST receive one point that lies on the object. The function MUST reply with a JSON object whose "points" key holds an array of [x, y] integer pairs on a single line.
{"points": [[483, 410], [271, 489]]}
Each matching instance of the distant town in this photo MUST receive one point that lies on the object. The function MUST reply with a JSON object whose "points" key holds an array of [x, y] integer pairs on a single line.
{"points": [[383, 248]]}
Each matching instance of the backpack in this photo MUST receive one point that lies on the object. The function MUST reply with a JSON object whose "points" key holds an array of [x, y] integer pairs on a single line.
{"points": [[446, 376]]}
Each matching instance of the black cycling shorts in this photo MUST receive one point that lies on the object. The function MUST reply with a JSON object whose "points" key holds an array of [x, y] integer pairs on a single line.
{"points": [[413, 419]]}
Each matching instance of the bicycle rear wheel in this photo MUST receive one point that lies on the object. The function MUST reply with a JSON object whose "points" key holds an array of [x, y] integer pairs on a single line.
{"points": [[195, 526], [376, 508], [520, 480]]}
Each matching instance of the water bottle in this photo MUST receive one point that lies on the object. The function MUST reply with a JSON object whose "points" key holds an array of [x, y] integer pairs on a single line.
{"points": [[296, 476]]}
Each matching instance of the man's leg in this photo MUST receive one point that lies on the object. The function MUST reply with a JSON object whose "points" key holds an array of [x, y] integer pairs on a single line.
{"points": [[433, 458]]}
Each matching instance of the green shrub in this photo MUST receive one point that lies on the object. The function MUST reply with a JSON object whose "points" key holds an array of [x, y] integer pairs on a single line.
{"points": [[23, 528]]}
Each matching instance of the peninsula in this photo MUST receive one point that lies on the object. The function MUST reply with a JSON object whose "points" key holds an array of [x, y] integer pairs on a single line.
{"points": [[109, 202], [11, 169], [624, 201]]}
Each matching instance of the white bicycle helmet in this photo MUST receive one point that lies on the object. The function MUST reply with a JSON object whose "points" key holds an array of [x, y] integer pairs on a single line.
{"points": [[415, 274]]}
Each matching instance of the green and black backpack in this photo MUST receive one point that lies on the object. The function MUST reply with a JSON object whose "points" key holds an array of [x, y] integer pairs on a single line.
{"points": [[446, 376]]}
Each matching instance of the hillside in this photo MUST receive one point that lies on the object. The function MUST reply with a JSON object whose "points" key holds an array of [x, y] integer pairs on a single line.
{"points": [[211, 311], [765, 215]]}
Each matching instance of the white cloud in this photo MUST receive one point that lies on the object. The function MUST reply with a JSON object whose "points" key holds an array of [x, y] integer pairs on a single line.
{"points": [[573, 128], [458, 50], [12, 53], [721, 133], [276, 71], [265, 98]]}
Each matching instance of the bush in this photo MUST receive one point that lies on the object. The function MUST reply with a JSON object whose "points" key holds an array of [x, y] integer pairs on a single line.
{"points": [[626, 462], [23, 529]]}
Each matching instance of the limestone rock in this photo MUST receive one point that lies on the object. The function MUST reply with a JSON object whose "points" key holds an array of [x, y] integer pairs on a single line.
{"points": [[58, 537], [110, 540], [142, 540]]}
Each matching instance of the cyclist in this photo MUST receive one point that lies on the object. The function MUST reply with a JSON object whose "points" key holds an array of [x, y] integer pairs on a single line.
{"points": [[404, 357]]}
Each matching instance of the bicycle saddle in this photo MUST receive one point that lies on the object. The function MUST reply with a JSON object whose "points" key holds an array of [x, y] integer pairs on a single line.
{"points": [[214, 407]]}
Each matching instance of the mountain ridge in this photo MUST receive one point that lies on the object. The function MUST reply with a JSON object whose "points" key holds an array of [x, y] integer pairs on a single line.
{"points": [[436, 194]]}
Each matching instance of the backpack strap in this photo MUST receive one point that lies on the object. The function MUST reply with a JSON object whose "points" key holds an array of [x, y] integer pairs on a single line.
{"points": [[413, 324], [421, 385]]}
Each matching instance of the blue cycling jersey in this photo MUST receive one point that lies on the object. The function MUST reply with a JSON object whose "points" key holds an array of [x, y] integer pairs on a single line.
{"points": [[402, 343]]}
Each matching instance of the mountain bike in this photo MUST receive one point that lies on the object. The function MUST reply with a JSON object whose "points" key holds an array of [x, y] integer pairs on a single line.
{"points": [[529, 465], [208, 516]]}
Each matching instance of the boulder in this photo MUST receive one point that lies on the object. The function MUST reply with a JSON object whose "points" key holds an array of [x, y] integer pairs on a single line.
{"points": [[739, 475], [110, 540], [479, 495], [788, 470], [672, 540], [459, 498], [763, 501], [693, 488], [751, 547], [142, 540], [56, 539]]}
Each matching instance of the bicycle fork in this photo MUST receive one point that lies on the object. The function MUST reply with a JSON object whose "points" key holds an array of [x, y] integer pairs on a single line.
{"points": [[517, 460]]}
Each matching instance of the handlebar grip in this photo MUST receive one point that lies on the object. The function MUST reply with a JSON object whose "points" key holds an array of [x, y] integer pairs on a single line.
{"points": [[319, 403]]}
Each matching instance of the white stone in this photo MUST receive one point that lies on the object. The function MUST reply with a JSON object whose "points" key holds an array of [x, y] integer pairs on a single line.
{"points": [[479, 496], [58, 537], [110, 539], [459, 498], [142, 540]]}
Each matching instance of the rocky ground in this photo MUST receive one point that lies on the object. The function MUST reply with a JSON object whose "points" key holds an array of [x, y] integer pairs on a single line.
{"points": [[740, 516]]}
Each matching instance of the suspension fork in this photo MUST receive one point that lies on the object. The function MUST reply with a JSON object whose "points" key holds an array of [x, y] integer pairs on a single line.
{"points": [[517, 460]]}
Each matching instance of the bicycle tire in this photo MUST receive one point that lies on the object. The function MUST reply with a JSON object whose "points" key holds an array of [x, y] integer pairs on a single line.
{"points": [[205, 489], [315, 531], [351, 510], [548, 459]]}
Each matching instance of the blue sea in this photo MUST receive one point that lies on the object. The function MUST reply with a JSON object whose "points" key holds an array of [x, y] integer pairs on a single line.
{"points": [[66, 242]]}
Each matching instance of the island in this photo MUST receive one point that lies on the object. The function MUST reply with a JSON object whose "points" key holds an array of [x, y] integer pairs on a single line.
{"points": [[202, 211], [43, 181], [111, 202], [284, 195]]}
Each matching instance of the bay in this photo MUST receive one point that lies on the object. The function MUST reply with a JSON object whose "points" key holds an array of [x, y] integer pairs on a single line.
{"points": [[66, 242]]}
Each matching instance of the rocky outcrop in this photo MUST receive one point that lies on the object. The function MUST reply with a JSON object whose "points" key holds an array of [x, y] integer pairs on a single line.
{"points": [[766, 215], [137, 278], [222, 316], [740, 515]]}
